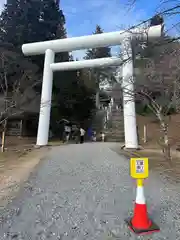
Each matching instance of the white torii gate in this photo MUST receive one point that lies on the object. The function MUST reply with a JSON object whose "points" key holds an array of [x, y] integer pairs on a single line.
{"points": [[49, 48]]}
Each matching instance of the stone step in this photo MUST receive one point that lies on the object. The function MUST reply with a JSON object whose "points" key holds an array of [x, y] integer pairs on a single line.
{"points": [[117, 122], [114, 130], [115, 140], [117, 117], [119, 135], [114, 136], [116, 110], [120, 118], [117, 128], [109, 139], [116, 114]]}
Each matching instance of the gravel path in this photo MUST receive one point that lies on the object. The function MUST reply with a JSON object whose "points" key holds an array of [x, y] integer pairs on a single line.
{"points": [[84, 192]]}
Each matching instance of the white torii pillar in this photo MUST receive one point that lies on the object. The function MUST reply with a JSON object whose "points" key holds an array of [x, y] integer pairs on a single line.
{"points": [[49, 48], [46, 95], [130, 129]]}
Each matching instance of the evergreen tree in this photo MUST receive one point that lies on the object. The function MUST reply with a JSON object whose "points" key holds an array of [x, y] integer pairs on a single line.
{"points": [[52, 18], [98, 53], [25, 21], [20, 22], [31, 21]]}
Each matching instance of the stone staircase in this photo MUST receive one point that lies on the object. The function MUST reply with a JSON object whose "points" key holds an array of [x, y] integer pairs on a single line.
{"points": [[98, 120], [115, 128]]}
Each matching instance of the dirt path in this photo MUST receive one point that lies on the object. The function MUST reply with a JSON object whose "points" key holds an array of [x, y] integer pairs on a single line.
{"points": [[14, 170]]}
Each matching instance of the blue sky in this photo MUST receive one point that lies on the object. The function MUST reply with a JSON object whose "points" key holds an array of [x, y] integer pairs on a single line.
{"points": [[83, 15], [112, 15]]}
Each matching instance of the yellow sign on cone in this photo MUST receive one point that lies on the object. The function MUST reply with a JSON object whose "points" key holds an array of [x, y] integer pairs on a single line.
{"points": [[139, 168]]}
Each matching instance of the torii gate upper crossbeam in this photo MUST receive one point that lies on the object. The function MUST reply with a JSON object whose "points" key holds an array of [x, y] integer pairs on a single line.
{"points": [[91, 41]]}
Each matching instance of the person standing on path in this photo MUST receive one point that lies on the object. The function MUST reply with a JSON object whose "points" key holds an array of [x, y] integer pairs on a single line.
{"points": [[94, 136], [102, 136], [82, 133], [67, 130], [77, 135], [90, 133]]}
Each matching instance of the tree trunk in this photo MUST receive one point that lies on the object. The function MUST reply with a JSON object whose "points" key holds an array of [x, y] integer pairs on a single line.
{"points": [[4, 136], [167, 149], [97, 89], [97, 98], [5, 124], [166, 145], [5, 105]]}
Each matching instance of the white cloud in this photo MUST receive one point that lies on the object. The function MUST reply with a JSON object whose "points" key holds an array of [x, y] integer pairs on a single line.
{"points": [[117, 17], [79, 54], [110, 15], [2, 2]]}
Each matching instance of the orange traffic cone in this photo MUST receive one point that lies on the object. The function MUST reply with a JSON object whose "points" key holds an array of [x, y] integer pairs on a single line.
{"points": [[140, 222]]}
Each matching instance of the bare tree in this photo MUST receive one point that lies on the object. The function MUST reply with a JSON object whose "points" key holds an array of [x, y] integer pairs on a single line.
{"points": [[157, 84], [17, 77]]}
